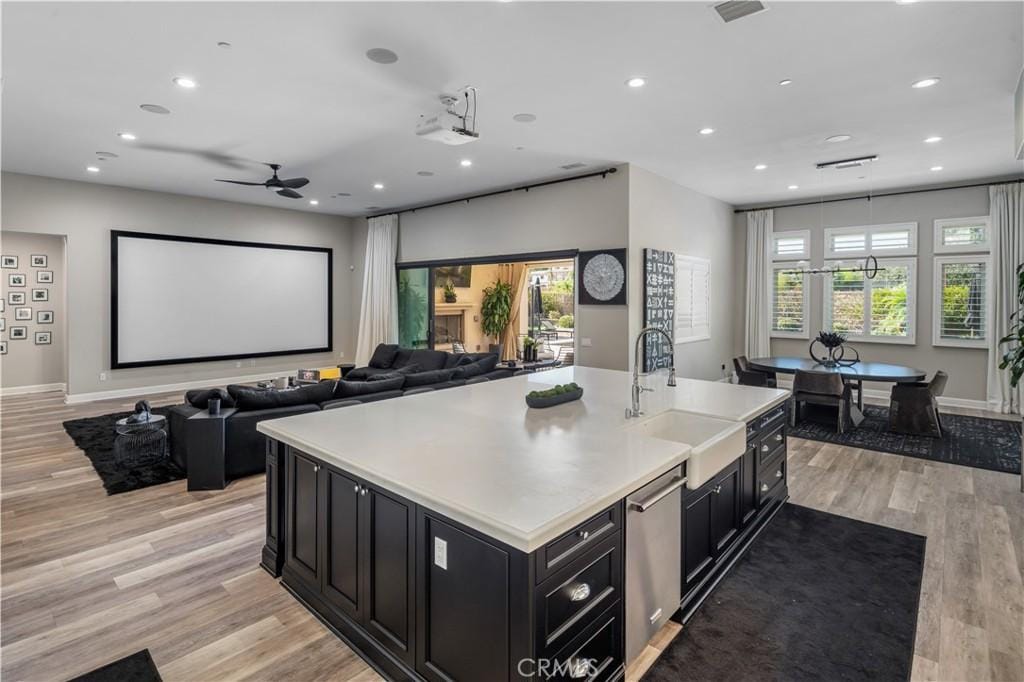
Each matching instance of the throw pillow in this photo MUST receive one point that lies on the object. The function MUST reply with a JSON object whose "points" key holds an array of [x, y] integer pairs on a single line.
{"points": [[200, 397], [251, 398], [353, 389], [384, 355], [468, 371]]}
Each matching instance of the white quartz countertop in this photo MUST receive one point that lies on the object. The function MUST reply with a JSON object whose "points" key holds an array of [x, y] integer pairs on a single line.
{"points": [[480, 456]]}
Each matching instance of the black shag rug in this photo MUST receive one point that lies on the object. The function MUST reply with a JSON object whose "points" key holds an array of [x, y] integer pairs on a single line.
{"points": [[138, 667], [992, 444], [95, 437], [816, 597]]}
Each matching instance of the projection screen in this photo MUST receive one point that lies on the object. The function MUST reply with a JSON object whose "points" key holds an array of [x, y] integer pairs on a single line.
{"points": [[185, 299]]}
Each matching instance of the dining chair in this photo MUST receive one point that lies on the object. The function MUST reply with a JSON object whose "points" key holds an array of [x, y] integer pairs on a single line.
{"points": [[752, 377], [566, 356], [821, 388], [458, 347], [914, 408]]}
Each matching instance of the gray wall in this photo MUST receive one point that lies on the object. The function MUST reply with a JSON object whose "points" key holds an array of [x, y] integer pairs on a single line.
{"points": [[86, 212], [966, 366], [585, 214], [28, 364], [667, 216]]}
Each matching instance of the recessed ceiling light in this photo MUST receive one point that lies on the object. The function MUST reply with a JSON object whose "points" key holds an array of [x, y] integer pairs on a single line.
{"points": [[936, 168], [127, 136], [636, 82], [106, 155], [786, 81], [424, 174], [381, 55], [524, 118], [933, 139], [925, 82], [224, 45], [839, 138], [154, 108], [378, 185], [92, 169], [793, 187], [706, 131], [184, 82], [314, 202], [465, 163], [760, 166]]}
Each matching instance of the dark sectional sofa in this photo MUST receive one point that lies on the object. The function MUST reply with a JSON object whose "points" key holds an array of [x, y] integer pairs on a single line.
{"points": [[392, 372]]}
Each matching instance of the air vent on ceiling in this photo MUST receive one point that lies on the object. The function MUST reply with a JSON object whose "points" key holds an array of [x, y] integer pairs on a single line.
{"points": [[572, 166], [737, 9]]}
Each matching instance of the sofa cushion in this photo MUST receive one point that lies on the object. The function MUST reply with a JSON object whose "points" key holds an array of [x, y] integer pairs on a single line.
{"points": [[428, 359], [435, 376], [457, 360], [473, 369], [251, 398], [200, 397], [384, 355], [487, 360], [354, 389]]}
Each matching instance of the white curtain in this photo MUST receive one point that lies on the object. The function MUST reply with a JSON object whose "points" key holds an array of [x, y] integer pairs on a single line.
{"points": [[759, 298], [378, 314], [1006, 208]]}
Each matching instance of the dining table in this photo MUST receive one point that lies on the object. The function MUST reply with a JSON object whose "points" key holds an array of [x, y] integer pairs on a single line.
{"points": [[855, 373]]}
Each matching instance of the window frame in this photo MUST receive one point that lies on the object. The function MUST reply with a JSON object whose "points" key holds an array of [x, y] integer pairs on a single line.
{"points": [[805, 304], [937, 339], [911, 338], [805, 235], [869, 230], [940, 224]]}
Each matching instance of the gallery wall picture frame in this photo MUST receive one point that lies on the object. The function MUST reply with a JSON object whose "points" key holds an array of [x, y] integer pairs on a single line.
{"points": [[40, 294], [3, 324], [22, 313], [39, 260], [16, 298], [18, 333], [601, 278], [44, 338], [16, 279], [44, 276], [44, 317], [3, 303], [659, 306], [9, 262], [3, 348]]}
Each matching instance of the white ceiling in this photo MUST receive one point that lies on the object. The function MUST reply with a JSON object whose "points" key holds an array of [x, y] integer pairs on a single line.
{"points": [[296, 88]]}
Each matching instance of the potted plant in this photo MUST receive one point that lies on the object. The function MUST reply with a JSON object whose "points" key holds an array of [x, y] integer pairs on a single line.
{"points": [[1013, 358], [529, 349], [449, 292], [495, 312]]}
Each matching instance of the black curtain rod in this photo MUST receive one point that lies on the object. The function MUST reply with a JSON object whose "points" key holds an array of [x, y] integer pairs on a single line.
{"points": [[869, 197], [524, 188]]}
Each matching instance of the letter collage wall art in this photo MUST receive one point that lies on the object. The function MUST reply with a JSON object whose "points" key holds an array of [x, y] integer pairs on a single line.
{"points": [[29, 301], [659, 305]]}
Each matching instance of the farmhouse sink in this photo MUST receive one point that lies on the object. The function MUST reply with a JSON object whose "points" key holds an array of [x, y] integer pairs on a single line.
{"points": [[714, 443]]}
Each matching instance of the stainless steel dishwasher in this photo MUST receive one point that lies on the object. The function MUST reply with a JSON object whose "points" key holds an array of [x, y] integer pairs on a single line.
{"points": [[653, 558]]}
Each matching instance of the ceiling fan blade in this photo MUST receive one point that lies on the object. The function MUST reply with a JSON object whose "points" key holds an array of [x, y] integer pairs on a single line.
{"points": [[295, 183], [290, 193], [242, 182]]}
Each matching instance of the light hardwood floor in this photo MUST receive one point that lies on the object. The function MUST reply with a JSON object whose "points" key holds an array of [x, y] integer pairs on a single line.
{"points": [[88, 578]]}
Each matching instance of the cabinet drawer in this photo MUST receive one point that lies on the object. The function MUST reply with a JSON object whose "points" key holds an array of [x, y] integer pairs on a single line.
{"points": [[562, 550], [770, 476], [568, 601], [595, 655], [772, 442]]}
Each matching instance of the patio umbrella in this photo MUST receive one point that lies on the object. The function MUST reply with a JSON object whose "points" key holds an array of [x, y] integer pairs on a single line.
{"points": [[536, 307]]}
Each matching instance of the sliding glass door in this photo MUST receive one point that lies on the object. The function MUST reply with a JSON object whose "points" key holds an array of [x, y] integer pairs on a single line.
{"points": [[414, 308]]}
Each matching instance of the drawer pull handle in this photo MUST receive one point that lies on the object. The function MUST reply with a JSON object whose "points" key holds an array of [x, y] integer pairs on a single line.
{"points": [[316, 468], [584, 534], [580, 592], [778, 474], [717, 490], [765, 448], [764, 487], [356, 487], [778, 437], [363, 491], [579, 668]]}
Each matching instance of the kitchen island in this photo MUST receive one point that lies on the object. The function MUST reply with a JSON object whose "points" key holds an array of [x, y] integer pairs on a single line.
{"points": [[461, 535]]}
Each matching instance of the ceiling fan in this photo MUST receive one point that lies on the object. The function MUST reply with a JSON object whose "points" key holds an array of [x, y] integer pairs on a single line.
{"points": [[285, 188]]}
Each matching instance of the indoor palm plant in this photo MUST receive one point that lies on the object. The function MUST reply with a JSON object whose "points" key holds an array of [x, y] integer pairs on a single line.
{"points": [[1013, 357], [496, 311]]}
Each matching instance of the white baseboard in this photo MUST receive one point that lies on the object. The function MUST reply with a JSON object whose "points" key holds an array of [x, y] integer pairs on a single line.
{"points": [[74, 398], [876, 394], [38, 388]]}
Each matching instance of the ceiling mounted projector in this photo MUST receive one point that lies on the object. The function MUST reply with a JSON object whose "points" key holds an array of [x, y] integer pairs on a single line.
{"points": [[456, 124]]}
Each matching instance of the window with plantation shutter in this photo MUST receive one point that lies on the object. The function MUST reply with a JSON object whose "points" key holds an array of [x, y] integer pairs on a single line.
{"points": [[961, 301], [962, 235], [789, 303], [693, 299], [880, 309], [791, 245], [898, 239]]}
